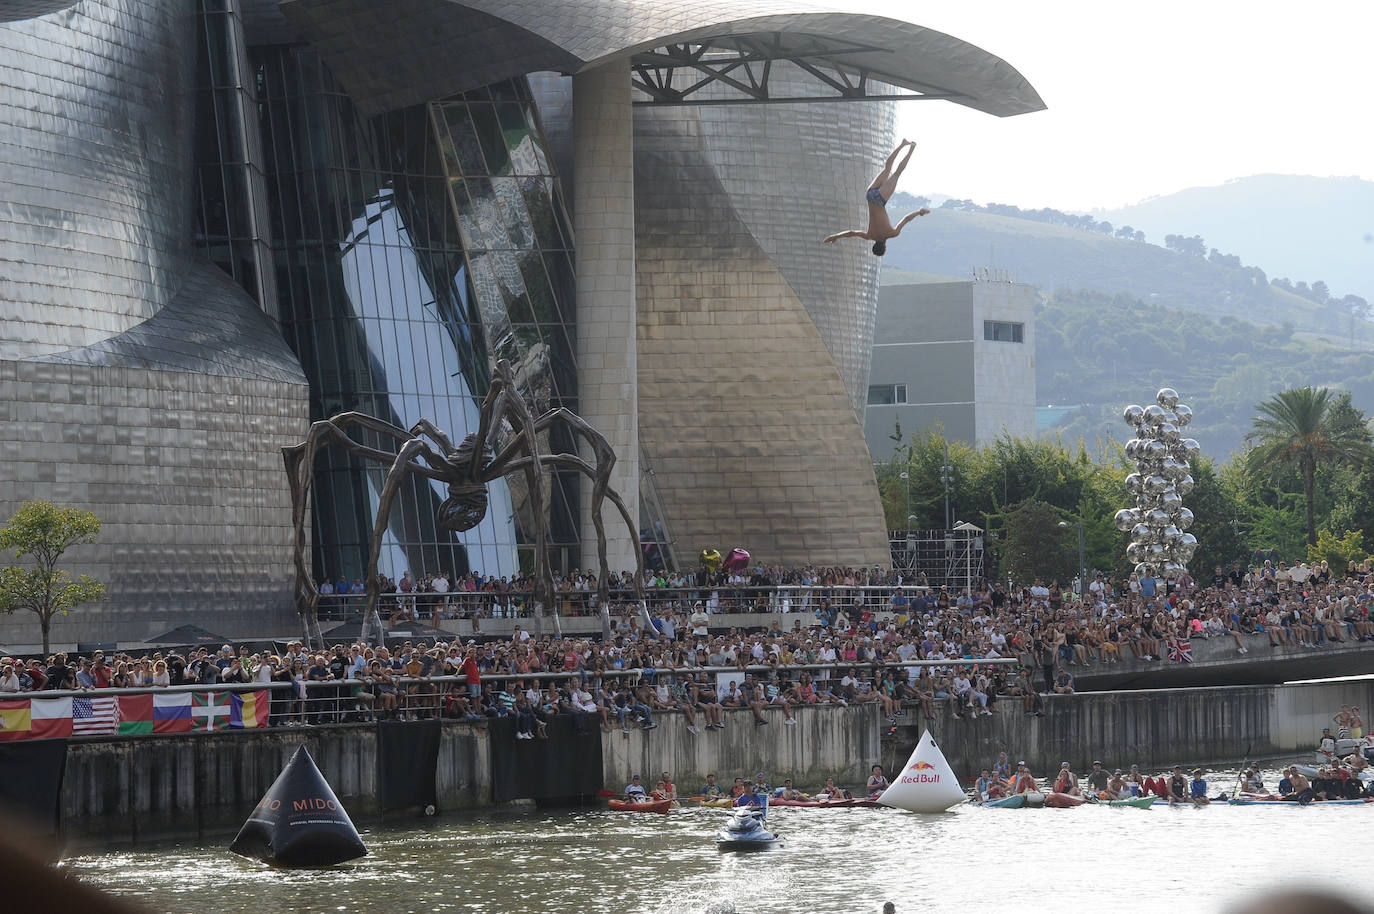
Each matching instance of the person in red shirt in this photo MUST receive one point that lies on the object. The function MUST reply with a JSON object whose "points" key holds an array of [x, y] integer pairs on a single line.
{"points": [[471, 674], [100, 673]]}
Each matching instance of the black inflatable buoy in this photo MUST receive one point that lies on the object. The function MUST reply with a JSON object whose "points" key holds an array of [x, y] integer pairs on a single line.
{"points": [[299, 822]]}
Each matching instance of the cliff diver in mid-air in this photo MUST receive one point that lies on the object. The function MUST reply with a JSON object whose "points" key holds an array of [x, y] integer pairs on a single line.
{"points": [[880, 227]]}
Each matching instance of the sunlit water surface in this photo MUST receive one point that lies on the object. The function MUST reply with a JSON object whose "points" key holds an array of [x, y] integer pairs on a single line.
{"points": [[1089, 859]]}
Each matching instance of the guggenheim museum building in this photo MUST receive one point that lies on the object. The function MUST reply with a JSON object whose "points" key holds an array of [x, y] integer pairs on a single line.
{"points": [[223, 219]]}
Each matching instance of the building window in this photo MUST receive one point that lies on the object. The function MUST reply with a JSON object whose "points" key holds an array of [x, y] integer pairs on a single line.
{"points": [[1002, 331], [886, 394]]}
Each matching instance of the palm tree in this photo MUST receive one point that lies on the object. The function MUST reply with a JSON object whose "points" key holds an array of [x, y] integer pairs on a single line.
{"points": [[1302, 428]]}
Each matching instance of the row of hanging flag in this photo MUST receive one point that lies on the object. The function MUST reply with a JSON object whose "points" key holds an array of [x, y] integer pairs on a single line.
{"points": [[117, 715]]}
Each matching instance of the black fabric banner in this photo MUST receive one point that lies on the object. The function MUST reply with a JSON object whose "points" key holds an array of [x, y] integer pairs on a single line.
{"points": [[31, 782], [407, 759], [566, 766]]}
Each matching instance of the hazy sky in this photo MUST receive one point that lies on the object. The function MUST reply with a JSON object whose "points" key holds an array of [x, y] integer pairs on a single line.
{"points": [[1146, 99]]}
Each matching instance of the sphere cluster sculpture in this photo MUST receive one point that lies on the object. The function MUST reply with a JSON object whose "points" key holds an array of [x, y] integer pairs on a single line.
{"points": [[1158, 524]]}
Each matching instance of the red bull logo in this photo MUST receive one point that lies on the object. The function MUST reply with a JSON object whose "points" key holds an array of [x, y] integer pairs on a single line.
{"points": [[927, 774]]}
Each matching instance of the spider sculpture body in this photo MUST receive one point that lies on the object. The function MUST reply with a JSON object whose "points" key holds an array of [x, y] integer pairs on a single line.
{"points": [[507, 441]]}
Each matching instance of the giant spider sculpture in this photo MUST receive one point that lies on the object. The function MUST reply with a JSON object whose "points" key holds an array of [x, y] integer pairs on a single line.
{"points": [[507, 441]]}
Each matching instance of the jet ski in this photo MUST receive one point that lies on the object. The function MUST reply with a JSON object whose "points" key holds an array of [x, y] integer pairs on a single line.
{"points": [[745, 830]]}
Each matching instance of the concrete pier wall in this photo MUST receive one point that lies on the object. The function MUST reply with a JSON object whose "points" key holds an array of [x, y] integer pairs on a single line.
{"points": [[150, 787], [1153, 729], [825, 742], [135, 789]]}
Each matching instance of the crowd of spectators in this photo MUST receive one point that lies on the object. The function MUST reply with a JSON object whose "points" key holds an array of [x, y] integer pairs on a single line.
{"points": [[837, 652]]}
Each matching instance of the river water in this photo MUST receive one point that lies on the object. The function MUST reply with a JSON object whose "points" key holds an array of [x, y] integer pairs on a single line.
{"points": [[846, 861]]}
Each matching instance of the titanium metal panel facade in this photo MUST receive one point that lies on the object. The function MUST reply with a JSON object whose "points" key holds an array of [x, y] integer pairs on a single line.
{"points": [[754, 433], [171, 433], [134, 381], [95, 112]]}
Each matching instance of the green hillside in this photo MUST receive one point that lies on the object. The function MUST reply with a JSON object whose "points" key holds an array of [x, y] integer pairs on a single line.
{"points": [[1122, 318], [1051, 257], [1103, 352], [1301, 227]]}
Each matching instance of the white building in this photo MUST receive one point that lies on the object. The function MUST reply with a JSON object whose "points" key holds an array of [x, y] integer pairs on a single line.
{"points": [[959, 353]]}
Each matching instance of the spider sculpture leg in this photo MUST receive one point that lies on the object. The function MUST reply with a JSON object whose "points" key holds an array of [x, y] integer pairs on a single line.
{"points": [[600, 475], [300, 465], [402, 465]]}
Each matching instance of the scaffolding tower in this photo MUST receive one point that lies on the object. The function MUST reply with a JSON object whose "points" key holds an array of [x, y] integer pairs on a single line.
{"points": [[950, 558]]}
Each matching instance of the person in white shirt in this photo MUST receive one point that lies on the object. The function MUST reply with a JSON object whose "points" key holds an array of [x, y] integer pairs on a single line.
{"points": [[700, 621]]}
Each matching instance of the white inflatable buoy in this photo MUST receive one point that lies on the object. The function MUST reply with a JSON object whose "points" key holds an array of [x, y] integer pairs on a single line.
{"points": [[926, 784]]}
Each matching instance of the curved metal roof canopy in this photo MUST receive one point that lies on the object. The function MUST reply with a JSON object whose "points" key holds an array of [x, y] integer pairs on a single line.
{"points": [[407, 51]]}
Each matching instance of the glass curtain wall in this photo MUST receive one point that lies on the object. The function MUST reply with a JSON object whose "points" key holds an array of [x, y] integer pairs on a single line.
{"points": [[387, 313], [520, 250], [230, 198]]}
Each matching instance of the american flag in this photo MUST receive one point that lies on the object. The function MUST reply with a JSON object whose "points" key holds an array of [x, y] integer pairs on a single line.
{"points": [[95, 716], [1181, 650]]}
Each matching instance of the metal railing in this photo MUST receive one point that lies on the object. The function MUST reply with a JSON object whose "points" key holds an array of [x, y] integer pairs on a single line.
{"points": [[312, 703], [785, 598]]}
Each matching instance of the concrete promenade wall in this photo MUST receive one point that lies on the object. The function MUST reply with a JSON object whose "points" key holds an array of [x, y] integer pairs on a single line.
{"points": [[148, 787], [127, 789], [1154, 729], [825, 742]]}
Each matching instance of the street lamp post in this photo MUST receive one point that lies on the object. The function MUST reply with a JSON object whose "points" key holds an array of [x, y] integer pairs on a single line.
{"points": [[1082, 567], [947, 479], [906, 477]]}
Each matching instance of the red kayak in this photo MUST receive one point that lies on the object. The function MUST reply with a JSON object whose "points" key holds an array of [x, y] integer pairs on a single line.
{"points": [[660, 806], [1063, 800]]}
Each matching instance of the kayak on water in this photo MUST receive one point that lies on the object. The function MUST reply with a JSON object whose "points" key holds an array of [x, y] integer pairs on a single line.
{"points": [[659, 806], [1015, 801], [1056, 800]]}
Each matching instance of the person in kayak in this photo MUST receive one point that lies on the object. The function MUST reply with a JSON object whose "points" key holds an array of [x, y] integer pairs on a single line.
{"points": [[877, 783], [711, 789], [1024, 781], [1116, 787], [1197, 789], [1178, 787], [635, 792], [1066, 781], [1098, 779]]}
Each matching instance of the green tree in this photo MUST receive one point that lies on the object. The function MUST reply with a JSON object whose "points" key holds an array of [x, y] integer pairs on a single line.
{"points": [[1338, 553], [1033, 545], [1298, 428], [43, 531]]}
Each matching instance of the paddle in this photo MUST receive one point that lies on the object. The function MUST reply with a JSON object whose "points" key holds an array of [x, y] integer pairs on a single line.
{"points": [[1240, 779]]}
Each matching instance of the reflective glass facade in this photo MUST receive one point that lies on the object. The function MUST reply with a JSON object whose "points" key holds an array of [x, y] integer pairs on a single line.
{"points": [[410, 249]]}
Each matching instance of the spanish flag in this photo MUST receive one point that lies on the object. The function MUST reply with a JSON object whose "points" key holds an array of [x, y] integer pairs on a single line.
{"points": [[37, 718], [15, 720]]}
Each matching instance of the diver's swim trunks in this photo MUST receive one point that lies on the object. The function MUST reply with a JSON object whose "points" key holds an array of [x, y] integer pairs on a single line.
{"points": [[874, 197]]}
